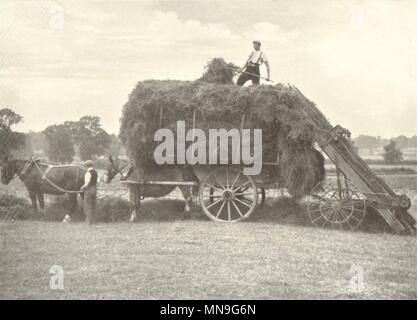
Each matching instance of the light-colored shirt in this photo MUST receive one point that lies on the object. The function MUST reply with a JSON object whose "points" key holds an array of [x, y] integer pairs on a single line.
{"points": [[87, 178], [257, 56]]}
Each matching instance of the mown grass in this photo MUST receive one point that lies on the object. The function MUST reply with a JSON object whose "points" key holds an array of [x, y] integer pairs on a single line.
{"points": [[167, 258], [275, 255]]}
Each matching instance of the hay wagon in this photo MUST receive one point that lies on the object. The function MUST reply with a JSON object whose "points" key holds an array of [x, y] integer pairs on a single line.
{"points": [[227, 194]]}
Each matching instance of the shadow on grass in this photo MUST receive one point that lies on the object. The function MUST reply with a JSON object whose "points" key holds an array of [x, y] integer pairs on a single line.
{"points": [[282, 210]]}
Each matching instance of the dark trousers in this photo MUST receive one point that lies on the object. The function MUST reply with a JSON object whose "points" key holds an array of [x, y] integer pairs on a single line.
{"points": [[246, 77], [90, 203]]}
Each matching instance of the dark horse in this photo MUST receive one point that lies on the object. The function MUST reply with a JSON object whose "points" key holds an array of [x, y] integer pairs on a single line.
{"points": [[139, 192], [41, 178]]}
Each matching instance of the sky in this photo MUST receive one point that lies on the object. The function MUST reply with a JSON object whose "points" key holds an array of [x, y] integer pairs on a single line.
{"points": [[357, 60]]}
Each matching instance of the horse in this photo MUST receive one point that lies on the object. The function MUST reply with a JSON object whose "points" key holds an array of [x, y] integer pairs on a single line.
{"points": [[41, 178], [139, 192]]}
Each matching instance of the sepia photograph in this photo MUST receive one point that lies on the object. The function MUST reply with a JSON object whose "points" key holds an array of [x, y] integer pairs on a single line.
{"points": [[208, 154]]}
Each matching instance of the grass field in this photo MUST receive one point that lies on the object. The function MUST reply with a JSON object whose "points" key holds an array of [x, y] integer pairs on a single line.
{"points": [[276, 255], [172, 259]]}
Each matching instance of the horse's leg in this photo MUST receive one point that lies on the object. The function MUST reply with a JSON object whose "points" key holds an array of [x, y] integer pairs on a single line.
{"points": [[186, 192], [41, 200], [134, 196], [72, 202], [33, 199]]}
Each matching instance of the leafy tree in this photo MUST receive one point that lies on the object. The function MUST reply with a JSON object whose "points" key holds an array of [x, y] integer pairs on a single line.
{"points": [[9, 139], [8, 118], [401, 141], [392, 153], [37, 140], [60, 147], [89, 137], [367, 142], [116, 146]]}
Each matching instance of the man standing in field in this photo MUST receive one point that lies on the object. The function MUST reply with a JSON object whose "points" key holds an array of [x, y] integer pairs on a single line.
{"points": [[250, 70], [90, 192]]}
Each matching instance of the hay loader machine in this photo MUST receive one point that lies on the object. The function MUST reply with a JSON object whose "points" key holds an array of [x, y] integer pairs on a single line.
{"points": [[343, 201]]}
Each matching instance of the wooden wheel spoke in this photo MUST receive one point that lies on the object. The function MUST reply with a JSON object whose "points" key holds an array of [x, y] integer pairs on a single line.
{"points": [[220, 210], [211, 186], [244, 194], [244, 203], [249, 201], [242, 185], [237, 208], [354, 209], [321, 198], [218, 181], [353, 217], [229, 217], [324, 213], [344, 214], [244, 189], [234, 181], [212, 204]]}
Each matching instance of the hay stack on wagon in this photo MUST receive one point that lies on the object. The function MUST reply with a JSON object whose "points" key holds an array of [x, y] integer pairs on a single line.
{"points": [[287, 133]]}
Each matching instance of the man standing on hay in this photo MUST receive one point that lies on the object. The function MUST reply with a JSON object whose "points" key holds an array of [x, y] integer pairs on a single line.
{"points": [[90, 192], [250, 70]]}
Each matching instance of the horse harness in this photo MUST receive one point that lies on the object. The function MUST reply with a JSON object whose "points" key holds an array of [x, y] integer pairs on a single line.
{"points": [[31, 163]]}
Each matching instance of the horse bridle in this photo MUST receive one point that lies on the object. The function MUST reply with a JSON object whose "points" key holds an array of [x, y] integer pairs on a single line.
{"points": [[23, 172]]}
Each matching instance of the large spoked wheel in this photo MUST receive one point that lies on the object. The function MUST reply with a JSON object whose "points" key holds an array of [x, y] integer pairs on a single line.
{"points": [[336, 205], [227, 195]]}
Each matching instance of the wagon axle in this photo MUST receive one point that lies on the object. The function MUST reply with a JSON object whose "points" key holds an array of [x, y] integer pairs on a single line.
{"points": [[228, 195]]}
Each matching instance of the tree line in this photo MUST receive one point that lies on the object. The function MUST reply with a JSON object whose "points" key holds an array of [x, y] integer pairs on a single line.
{"points": [[59, 142], [87, 139], [371, 142]]}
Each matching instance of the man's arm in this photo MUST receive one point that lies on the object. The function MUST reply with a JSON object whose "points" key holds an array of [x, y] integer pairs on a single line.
{"points": [[268, 70]]}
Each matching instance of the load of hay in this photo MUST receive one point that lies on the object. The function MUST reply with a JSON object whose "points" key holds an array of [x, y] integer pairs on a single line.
{"points": [[287, 132]]}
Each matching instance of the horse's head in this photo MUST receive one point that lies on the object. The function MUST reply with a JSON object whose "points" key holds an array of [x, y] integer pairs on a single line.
{"points": [[9, 169], [114, 167]]}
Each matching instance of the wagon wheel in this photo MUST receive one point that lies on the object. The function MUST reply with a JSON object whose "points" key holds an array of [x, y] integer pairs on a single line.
{"points": [[261, 195], [228, 195], [338, 207]]}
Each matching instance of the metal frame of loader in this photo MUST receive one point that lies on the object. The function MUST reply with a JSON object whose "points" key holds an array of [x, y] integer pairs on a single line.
{"points": [[355, 177]]}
